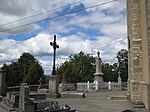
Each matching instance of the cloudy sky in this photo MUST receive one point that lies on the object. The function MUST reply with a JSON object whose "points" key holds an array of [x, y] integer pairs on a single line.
{"points": [[80, 25]]}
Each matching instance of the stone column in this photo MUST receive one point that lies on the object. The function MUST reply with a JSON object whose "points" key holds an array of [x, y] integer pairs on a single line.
{"points": [[98, 75], [109, 85], [88, 85], [135, 50], [148, 34], [3, 85]]}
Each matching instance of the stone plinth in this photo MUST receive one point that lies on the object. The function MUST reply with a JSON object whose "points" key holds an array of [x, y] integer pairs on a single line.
{"points": [[53, 87], [98, 77]]}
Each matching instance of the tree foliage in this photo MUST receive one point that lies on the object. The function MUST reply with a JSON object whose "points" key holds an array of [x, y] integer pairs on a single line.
{"points": [[26, 69], [78, 68], [109, 72]]}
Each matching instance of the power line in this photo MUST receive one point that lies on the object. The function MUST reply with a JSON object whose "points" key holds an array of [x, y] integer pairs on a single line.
{"points": [[100, 4], [40, 13], [113, 43]]}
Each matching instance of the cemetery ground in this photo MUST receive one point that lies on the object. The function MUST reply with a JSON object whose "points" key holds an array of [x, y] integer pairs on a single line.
{"points": [[101, 101]]}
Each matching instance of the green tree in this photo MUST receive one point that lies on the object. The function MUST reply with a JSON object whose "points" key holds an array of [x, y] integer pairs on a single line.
{"points": [[107, 70], [78, 68], [26, 69], [122, 58], [34, 74], [26, 61], [12, 73]]}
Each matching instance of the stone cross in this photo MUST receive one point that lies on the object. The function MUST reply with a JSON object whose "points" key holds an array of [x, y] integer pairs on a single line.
{"points": [[119, 73], [55, 46], [119, 78], [98, 53]]}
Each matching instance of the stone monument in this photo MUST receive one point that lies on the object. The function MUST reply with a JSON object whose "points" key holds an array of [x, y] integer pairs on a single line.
{"points": [[98, 75], [54, 79]]}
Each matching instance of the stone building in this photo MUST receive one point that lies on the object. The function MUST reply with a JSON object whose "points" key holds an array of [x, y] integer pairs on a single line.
{"points": [[138, 21]]}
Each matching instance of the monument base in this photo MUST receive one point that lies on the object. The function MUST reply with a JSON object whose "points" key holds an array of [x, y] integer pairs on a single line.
{"points": [[98, 78]]}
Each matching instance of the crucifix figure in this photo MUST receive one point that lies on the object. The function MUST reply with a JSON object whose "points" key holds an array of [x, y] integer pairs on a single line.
{"points": [[55, 46]]}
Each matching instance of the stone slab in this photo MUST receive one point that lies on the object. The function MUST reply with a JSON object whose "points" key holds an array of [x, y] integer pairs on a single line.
{"points": [[53, 95]]}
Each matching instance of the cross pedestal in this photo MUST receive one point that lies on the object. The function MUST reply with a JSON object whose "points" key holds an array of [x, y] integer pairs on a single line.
{"points": [[53, 87]]}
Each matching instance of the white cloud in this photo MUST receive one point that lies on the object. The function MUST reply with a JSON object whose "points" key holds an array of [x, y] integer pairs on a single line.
{"points": [[47, 66], [11, 49], [108, 20], [16, 9], [39, 46]]}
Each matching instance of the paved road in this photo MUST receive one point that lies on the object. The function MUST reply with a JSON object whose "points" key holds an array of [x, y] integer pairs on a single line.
{"points": [[99, 102]]}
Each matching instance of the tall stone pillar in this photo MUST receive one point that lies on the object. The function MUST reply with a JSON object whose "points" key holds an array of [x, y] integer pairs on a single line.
{"points": [[98, 75], [3, 85], [135, 51], [148, 35]]}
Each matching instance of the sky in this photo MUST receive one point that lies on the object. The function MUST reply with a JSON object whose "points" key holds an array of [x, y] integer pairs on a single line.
{"points": [[80, 25]]}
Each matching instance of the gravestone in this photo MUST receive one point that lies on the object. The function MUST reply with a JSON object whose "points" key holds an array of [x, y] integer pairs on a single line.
{"points": [[3, 85], [12, 99]]}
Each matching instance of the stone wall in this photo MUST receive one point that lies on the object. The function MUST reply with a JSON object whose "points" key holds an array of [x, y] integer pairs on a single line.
{"points": [[135, 49], [138, 20], [32, 88], [148, 34]]}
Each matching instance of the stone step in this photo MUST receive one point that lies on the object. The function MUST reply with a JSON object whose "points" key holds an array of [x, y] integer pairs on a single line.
{"points": [[117, 97], [138, 106]]}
